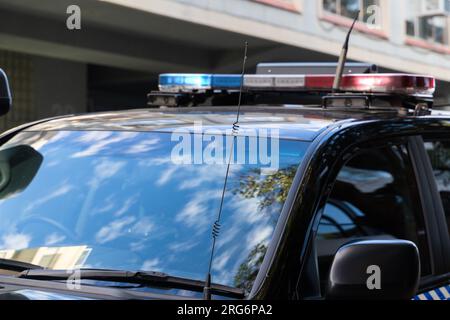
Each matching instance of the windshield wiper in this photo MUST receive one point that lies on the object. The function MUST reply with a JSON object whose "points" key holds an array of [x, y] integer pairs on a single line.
{"points": [[147, 278], [19, 266]]}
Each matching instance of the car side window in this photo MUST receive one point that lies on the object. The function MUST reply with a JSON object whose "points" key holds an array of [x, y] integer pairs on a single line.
{"points": [[374, 197], [439, 153]]}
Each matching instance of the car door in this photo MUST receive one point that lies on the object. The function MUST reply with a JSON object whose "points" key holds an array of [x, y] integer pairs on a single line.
{"points": [[377, 196]]}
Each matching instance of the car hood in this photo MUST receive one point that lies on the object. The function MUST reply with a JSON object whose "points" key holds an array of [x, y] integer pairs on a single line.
{"points": [[31, 294]]}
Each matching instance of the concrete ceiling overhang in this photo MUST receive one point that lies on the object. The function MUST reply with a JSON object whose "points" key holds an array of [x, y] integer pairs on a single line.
{"points": [[173, 36], [118, 36], [112, 35]]}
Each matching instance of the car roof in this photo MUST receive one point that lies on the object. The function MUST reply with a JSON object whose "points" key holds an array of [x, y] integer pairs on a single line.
{"points": [[292, 122]]}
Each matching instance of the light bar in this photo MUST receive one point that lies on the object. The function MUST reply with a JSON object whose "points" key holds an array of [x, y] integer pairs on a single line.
{"points": [[361, 83]]}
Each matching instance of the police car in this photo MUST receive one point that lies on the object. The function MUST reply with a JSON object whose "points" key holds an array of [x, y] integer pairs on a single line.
{"points": [[310, 193]]}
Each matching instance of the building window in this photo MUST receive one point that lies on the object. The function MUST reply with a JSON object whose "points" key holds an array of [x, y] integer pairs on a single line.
{"points": [[433, 29], [429, 21], [370, 10]]}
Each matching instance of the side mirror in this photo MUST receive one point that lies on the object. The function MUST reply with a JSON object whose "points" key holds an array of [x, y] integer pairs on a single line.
{"points": [[376, 269], [5, 94], [18, 167]]}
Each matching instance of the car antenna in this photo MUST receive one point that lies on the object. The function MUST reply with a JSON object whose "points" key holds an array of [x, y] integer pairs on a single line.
{"points": [[343, 58], [216, 225]]}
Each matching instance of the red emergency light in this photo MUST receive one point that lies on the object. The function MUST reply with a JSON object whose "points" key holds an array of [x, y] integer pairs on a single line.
{"points": [[375, 83]]}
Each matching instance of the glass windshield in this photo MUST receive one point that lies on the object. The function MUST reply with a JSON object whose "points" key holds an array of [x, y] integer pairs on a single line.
{"points": [[71, 199]]}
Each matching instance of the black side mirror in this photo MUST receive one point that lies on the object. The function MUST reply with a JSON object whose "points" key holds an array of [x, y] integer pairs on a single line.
{"points": [[375, 270], [18, 167], [5, 94]]}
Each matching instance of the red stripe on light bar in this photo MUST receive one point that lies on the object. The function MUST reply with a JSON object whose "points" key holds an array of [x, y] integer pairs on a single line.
{"points": [[376, 83]]}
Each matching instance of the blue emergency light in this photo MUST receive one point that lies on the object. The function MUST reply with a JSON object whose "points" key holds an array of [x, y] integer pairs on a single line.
{"points": [[189, 82], [182, 82], [226, 81]]}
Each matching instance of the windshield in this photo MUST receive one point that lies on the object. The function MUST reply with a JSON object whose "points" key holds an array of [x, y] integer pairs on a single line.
{"points": [[117, 200]]}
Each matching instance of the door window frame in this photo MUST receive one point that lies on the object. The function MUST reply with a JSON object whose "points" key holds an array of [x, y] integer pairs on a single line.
{"points": [[430, 212], [442, 237]]}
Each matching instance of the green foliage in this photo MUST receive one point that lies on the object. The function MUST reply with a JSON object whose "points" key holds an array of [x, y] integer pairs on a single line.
{"points": [[248, 270], [271, 189]]}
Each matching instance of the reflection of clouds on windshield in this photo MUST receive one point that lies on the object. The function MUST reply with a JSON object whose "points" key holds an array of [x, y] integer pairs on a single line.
{"points": [[127, 205], [154, 162], [120, 227], [54, 238], [222, 272], [197, 213], [227, 263], [247, 209], [228, 235], [60, 191], [105, 169], [151, 265], [114, 230], [52, 163], [48, 140], [187, 293], [143, 227], [205, 175], [15, 241], [183, 246], [107, 206], [110, 205], [259, 235], [232, 250], [143, 146], [166, 175], [138, 245], [221, 261], [93, 136], [246, 213], [97, 144]]}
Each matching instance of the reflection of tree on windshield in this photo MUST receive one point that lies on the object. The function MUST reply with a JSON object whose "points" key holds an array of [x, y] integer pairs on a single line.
{"points": [[248, 270], [271, 189]]}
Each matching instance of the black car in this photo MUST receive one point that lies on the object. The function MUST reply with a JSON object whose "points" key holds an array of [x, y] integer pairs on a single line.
{"points": [[337, 199]]}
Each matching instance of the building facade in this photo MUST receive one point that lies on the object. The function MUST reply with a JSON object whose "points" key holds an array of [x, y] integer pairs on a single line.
{"points": [[112, 60]]}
